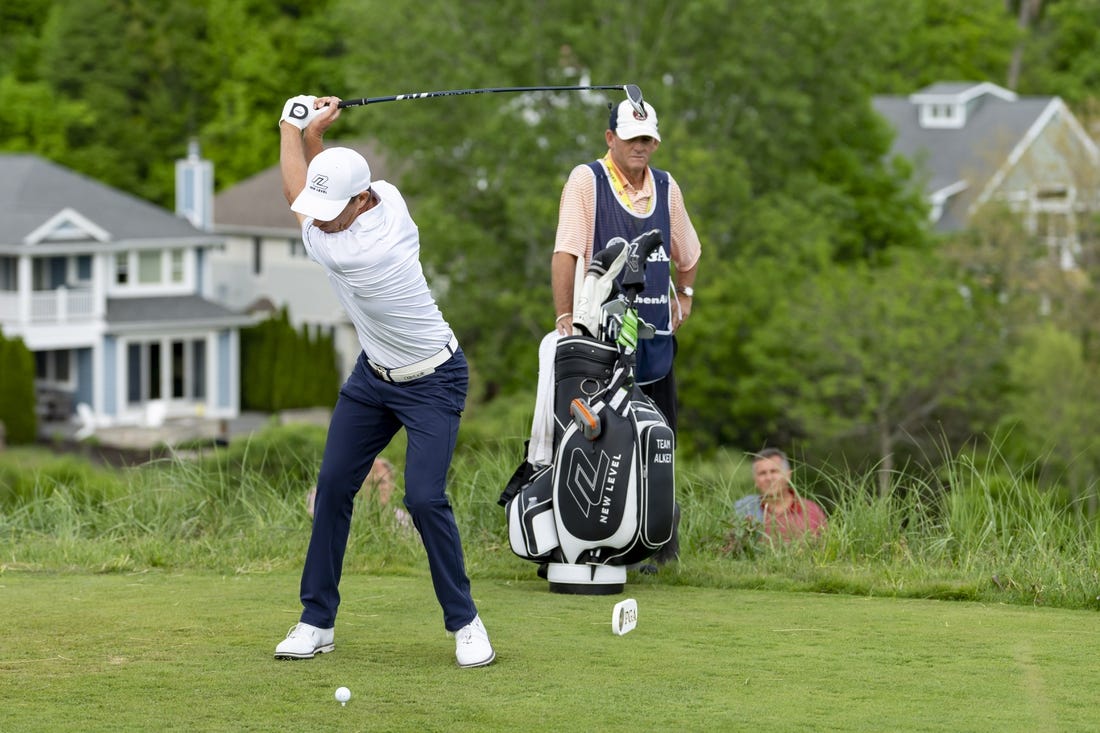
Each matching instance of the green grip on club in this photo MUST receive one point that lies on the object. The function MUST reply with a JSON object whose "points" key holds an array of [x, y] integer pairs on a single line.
{"points": [[628, 332]]}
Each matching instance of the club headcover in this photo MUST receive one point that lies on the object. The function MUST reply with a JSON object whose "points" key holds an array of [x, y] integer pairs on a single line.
{"points": [[609, 259], [599, 281], [641, 247]]}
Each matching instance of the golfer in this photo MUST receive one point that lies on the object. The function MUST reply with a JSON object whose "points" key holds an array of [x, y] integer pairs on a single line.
{"points": [[411, 373]]}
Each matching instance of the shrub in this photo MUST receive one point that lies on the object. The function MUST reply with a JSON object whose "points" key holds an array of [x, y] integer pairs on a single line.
{"points": [[17, 395]]}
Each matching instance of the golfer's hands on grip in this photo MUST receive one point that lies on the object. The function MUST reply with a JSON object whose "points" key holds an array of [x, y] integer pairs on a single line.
{"points": [[301, 111]]}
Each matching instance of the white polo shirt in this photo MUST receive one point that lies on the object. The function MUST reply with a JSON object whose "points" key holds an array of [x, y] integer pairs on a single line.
{"points": [[374, 268]]}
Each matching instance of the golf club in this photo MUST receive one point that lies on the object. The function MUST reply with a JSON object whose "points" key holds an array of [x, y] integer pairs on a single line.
{"points": [[633, 94]]}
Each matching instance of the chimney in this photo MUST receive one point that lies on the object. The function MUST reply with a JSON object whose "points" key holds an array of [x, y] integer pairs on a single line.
{"points": [[195, 188]]}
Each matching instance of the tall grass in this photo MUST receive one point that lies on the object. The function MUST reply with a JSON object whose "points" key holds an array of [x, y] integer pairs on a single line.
{"points": [[972, 530]]}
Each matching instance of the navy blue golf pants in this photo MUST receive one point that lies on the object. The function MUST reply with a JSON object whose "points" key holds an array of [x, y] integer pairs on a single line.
{"points": [[368, 413]]}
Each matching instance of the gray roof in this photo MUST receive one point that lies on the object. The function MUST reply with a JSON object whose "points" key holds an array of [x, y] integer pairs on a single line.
{"points": [[973, 153], [947, 87], [163, 311], [962, 91], [33, 190], [256, 205]]}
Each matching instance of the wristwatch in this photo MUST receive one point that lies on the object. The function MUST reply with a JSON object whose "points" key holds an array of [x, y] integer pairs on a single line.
{"points": [[686, 290]]}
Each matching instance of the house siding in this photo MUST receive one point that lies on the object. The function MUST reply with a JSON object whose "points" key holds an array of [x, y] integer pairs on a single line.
{"points": [[1055, 158]]}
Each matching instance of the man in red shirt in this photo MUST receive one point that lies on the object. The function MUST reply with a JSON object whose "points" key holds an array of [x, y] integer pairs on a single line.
{"points": [[782, 513]]}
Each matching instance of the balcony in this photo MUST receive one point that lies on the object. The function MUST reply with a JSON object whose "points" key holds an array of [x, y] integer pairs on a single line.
{"points": [[63, 305]]}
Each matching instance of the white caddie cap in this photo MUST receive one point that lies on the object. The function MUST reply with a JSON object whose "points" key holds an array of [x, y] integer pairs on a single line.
{"points": [[334, 176], [628, 123]]}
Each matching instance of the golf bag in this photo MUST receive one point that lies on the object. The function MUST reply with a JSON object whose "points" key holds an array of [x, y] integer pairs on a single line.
{"points": [[608, 498]]}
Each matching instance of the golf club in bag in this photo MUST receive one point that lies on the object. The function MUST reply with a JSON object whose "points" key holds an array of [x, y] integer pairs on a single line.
{"points": [[608, 498]]}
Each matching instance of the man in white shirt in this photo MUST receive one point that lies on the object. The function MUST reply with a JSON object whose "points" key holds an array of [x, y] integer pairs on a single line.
{"points": [[411, 374]]}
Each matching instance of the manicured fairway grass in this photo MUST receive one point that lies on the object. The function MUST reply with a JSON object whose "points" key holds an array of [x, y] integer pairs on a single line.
{"points": [[193, 651]]}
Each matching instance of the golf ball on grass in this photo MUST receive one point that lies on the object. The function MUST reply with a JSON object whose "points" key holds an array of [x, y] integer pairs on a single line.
{"points": [[343, 694]]}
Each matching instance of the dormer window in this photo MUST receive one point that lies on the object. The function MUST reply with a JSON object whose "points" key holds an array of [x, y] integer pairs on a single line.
{"points": [[943, 115], [947, 105], [944, 112]]}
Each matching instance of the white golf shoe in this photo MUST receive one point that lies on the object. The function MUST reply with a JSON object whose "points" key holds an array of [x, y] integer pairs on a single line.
{"points": [[304, 642], [472, 647]]}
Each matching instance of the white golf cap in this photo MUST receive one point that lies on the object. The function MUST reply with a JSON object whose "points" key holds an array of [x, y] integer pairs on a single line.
{"points": [[334, 176], [629, 123]]}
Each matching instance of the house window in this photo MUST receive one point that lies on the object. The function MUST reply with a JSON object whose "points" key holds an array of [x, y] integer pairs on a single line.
{"points": [[176, 275], [1052, 221], [184, 371], [179, 370], [198, 369], [53, 368], [1055, 194], [143, 372], [8, 273], [122, 268], [257, 255], [297, 249], [149, 266], [154, 371], [48, 273], [133, 373], [84, 269]]}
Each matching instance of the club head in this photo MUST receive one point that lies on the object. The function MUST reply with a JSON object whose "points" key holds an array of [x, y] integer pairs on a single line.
{"points": [[614, 307], [634, 95]]}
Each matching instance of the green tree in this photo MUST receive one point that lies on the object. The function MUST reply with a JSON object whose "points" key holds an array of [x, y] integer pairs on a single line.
{"points": [[743, 122], [131, 83], [1060, 57], [870, 360], [944, 40], [1053, 411], [17, 391], [767, 127], [285, 368]]}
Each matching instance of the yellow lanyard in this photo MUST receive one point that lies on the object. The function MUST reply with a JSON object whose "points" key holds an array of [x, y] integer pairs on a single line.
{"points": [[617, 183]]}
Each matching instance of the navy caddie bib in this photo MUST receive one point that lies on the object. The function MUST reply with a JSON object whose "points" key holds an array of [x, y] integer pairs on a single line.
{"points": [[615, 219]]}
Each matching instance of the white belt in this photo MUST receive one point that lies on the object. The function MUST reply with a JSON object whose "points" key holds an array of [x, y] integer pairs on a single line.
{"points": [[418, 369]]}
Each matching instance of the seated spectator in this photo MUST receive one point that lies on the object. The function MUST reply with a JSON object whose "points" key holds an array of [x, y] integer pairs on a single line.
{"points": [[775, 509]]}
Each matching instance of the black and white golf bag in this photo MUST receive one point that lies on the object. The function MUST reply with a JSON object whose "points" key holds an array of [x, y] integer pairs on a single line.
{"points": [[608, 498]]}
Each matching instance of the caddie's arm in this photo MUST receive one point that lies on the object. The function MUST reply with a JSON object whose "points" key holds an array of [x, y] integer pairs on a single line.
{"points": [[563, 272]]}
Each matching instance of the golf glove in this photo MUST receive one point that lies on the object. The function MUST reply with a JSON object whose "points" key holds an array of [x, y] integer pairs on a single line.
{"points": [[299, 111]]}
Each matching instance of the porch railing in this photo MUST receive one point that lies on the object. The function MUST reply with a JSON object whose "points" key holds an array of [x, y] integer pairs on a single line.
{"points": [[64, 305]]}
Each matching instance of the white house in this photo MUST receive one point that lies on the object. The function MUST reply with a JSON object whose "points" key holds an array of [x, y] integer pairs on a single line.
{"points": [[110, 293], [976, 143]]}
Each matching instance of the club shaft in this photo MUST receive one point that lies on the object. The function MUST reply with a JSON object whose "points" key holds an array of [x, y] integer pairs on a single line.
{"points": [[457, 92]]}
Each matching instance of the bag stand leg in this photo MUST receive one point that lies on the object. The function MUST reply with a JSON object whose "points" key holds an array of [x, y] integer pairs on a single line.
{"points": [[587, 580]]}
